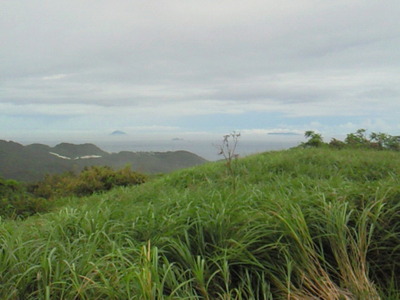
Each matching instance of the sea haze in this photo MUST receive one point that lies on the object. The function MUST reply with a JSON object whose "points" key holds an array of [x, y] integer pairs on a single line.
{"points": [[204, 147], [207, 149]]}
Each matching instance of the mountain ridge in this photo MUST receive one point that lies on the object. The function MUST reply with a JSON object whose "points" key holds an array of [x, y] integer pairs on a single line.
{"points": [[32, 162]]}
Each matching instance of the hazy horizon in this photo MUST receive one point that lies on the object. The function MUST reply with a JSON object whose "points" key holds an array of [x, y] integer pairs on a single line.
{"points": [[206, 147]]}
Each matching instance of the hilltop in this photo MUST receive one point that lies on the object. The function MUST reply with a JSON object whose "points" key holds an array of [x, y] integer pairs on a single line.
{"points": [[296, 224], [33, 162]]}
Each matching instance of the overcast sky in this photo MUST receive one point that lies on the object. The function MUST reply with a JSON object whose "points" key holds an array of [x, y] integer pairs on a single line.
{"points": [[188, 67]]}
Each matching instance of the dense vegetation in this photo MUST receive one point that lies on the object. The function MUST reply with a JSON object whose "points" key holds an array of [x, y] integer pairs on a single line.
{"points": [[15, 201], [22, 200], [90, 180], [358, 139], [314, 223]]}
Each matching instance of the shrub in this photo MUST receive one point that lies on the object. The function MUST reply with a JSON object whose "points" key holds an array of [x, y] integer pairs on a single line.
{"points": [[314, 139], [337, 144], [96, 179], [357, 139], [385, 141], [90, 180], [15, 201]]}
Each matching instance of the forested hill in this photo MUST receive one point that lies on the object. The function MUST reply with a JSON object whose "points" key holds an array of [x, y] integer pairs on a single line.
{"points": [[33, 162]]}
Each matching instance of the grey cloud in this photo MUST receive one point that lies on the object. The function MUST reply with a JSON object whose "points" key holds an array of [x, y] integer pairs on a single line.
{"points": [[380, 93], [129, 53]]}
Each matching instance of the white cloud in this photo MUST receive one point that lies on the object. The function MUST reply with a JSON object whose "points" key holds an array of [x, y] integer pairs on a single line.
{"points": [[54, 77]]}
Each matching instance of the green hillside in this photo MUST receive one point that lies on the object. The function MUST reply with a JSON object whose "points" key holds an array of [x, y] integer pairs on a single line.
{"points": [[296, 224]]}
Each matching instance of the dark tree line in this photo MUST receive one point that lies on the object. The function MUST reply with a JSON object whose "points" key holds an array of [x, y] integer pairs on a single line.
{"points": [[358, 139]]}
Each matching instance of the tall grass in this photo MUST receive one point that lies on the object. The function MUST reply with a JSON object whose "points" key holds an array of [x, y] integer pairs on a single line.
{"points": [[298, 224]]}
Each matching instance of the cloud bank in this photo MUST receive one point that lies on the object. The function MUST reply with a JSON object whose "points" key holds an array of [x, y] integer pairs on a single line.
{"points": [[99, 65]]}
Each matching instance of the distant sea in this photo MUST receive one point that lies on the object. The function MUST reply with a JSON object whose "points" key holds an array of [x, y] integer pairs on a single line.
{"points": [[205, 148]]}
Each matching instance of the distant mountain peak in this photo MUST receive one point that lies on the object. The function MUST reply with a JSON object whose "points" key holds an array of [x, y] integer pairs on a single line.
{"points": [[73, 150], [118, 132]]}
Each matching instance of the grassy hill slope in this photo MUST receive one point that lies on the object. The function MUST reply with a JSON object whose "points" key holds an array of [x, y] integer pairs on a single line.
{"points": [[297, 224]]}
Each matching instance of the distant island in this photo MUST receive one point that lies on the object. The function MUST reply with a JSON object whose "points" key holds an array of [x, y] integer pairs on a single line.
{"points": [[118, 132], [32, 162]]}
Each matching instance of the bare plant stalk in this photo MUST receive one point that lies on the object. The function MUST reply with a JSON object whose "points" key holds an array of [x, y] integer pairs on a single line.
{"points": [[228, 149]]}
